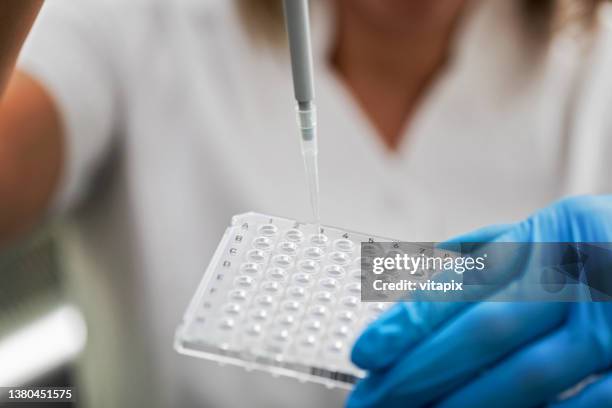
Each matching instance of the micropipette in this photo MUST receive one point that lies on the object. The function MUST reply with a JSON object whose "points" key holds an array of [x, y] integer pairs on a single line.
{"points": [[298, 30]]}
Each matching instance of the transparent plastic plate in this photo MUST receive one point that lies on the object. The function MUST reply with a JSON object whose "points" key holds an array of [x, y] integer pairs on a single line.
{"points": [[277, 296]]}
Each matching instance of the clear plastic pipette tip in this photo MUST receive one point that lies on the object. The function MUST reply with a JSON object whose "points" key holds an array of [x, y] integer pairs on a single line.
{"points": [[312, 176], [307, 123]]}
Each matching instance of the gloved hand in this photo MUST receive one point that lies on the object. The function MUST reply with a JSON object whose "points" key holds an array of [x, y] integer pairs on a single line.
{"points": [[496, 354]]}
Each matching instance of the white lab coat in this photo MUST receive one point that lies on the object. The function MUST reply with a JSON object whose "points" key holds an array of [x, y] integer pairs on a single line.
{"points": [[175, 121]]}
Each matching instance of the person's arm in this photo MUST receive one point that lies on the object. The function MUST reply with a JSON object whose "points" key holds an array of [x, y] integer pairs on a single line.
{"points": [[16, 19], [30, 130], [31, 152]]}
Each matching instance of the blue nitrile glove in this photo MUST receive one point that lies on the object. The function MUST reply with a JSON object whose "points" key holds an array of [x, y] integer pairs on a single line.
{"points": [[496, 354]]}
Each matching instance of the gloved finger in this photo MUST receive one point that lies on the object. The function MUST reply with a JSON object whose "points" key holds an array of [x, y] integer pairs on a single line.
{"points": [[484, 234], [595, 395], [480, 235], [533, 375], [398, 329], [453, 354], [504, 262]]}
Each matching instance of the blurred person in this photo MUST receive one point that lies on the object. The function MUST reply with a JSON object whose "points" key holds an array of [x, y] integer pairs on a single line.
{"points": [[146, 124]]}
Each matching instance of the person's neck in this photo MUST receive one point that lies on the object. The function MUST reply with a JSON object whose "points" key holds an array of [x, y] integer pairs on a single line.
{"points": [[389, 70]]}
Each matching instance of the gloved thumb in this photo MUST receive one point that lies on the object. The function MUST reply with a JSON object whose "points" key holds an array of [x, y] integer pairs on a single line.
{"points": [[480, 235]]}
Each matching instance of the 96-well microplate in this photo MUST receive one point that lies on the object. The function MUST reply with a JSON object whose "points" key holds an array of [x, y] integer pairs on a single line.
{"points": [[280, 297]]}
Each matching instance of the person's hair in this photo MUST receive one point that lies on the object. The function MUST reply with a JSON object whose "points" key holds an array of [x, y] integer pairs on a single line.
{"points": [[264, 18], [546, 17]]}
